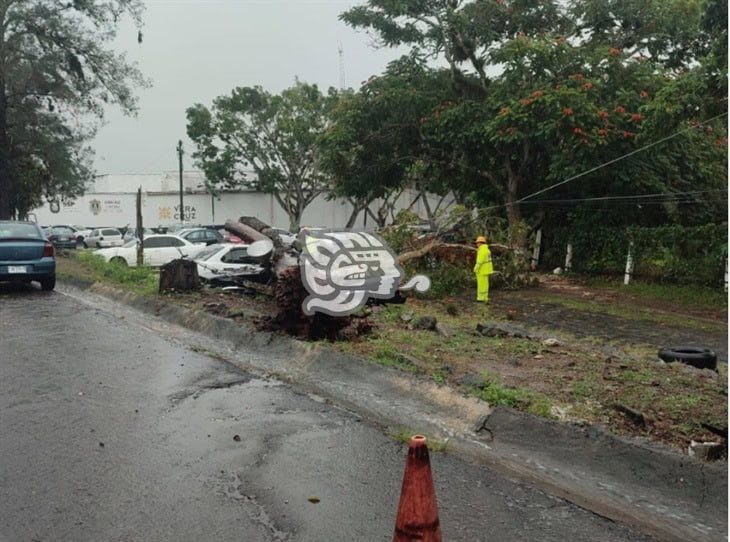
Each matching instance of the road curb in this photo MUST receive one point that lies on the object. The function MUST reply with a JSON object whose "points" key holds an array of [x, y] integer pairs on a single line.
{"points": [[660, 492]]}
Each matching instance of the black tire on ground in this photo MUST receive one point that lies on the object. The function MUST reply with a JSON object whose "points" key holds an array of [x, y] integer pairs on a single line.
{"points": [[48, 284], [85, 245], [118, 260], [702, 358]]}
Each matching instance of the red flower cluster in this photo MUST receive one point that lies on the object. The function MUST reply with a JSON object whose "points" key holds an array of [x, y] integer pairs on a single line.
{"points": [[636, 117], [504, 111], [628, 135], [620, 109], [537, 93], [614, 51], [578, 76], [603, 114], [644, 94], [567, 112], [526, 101], [588, 86], [603, 132], [577, 131]]}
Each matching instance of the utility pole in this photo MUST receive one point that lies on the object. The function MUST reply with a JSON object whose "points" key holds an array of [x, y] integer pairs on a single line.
{"points": [[180, 155], [341, 54], [140, 230]]}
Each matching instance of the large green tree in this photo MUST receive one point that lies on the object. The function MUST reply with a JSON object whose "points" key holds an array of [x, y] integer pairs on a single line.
{"points": [[546, 91], [273, 136], [57, 73]]}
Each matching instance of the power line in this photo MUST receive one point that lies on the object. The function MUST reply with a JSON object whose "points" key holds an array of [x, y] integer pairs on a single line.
{"points": [[661, 196], [635, 151]]}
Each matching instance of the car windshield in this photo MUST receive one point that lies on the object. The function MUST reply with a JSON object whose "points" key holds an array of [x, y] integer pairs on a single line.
{"points": [[61, 231], [209, 252], [9, 230]]}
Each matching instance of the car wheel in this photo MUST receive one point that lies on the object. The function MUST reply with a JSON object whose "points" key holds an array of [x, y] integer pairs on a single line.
{"points": [[702, 358], [48, 284], [118, 260]]}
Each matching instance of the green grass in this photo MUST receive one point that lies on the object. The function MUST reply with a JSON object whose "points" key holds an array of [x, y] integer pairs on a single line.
{"points": [[687, 295], [142, 280], [496, 394], [434, 444]]}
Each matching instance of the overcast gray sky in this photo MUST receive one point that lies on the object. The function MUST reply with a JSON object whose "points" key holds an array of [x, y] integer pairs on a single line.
{"points": [[195, 50]]}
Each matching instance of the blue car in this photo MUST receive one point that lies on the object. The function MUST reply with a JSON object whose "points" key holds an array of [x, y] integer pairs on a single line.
{"points": [[26, 255]]}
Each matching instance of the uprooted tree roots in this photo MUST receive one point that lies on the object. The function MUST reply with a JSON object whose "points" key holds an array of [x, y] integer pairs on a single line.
{"points": [[289, 294]]}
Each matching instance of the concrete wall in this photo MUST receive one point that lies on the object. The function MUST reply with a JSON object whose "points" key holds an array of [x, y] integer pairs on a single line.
{"points": [[111, 202]]}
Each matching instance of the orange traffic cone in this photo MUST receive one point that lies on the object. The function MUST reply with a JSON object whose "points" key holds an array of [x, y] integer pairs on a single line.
{"points": [[418, 516]]}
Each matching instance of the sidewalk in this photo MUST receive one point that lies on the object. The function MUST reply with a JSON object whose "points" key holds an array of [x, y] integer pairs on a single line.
{"points": [[664, 494]]}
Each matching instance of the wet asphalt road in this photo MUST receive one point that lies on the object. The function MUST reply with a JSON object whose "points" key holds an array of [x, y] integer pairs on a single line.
{"points": [[112, 432]]}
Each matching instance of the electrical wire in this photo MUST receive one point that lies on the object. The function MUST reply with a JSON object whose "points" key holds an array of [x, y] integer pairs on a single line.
{"points": [[661, 197], [635, 151]]}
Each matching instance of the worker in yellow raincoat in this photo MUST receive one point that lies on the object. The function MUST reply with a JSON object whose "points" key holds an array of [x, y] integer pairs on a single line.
{"points": [[483, 268]]}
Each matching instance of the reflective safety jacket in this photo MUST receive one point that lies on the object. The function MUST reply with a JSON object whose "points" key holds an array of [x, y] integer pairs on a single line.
{"points": [[483, 265]]}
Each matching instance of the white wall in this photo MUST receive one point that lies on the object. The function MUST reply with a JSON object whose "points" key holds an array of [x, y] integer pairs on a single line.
{"points": [[111, 203]]}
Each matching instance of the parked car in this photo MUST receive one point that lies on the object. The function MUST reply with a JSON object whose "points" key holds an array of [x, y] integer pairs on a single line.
{"points": [[104, 238], [131, 234], [220, 264], [61, 236], [158, 250], [201, 236], [81, 234], [228, 237], [26, 255], [177, 228]]}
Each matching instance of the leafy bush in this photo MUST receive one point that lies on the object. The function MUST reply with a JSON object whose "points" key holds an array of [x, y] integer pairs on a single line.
{"points": [[671, 253]]}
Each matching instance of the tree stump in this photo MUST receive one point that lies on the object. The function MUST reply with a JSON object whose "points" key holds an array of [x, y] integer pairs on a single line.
{"points": [[179, 276]]}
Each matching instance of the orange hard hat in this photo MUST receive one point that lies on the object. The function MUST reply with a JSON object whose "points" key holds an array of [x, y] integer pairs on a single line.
{"points": [[481, 239]]}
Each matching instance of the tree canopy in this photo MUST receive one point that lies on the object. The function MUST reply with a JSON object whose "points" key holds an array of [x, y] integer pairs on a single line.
{"points": [[272, 136], [57, 73], [540, 93]]}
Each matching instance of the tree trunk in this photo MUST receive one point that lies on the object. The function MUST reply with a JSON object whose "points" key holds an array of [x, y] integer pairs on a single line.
{"points": [[356, 208], [179, 276], [245, 232], [514, 217], [7, 207]]}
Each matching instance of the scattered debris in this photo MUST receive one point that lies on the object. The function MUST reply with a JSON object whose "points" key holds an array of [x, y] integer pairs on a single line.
{"points": [[551, 342], [706, 451], [634, 416], [496, 329], [441, 329], [425, 322], [471, 380], [406, 317], [237, 438], [313, 499]]}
